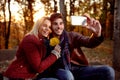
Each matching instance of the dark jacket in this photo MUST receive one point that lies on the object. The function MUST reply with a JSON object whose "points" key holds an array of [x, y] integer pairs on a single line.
{"points": [[30, 59], [77, 41]]}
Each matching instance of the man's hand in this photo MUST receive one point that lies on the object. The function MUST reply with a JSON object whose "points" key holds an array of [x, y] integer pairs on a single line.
{"points": [[93, 25]]}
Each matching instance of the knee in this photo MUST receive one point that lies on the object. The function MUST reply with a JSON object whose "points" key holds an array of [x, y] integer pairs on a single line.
{"points": [[109, 71], [64, 74]]}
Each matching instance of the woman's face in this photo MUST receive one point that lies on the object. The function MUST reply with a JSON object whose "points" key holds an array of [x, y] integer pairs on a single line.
{"points": [[45, 30]]}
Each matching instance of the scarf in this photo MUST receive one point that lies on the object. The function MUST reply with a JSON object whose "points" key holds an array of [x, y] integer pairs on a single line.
{"points": [[65, 50], [64, 60]]}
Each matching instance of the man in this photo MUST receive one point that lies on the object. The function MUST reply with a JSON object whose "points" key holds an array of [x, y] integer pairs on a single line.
{"points": [[73, 58]]}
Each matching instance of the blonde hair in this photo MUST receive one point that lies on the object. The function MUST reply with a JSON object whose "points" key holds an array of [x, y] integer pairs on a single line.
{"points": [[37, 25]]}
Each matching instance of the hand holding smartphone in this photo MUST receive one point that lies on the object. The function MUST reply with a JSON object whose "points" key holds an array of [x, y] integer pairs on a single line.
{"points": [[78, 21]]}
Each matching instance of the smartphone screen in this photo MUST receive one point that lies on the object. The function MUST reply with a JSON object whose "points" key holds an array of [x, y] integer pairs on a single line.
{"points": [[78, 20]]}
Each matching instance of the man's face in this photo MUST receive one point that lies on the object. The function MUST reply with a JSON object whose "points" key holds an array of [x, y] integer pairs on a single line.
{"points": [[57, 26]]}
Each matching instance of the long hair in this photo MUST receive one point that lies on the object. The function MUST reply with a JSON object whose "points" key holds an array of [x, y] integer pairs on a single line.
{"points": [[37, 25]]}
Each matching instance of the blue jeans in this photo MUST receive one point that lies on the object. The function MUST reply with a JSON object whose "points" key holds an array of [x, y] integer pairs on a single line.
{"points": [[60, 74], [63, 74], [48, 79], [101, 72]]}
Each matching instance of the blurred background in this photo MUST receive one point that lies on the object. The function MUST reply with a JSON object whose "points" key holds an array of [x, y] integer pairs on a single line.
{"points": [[18, 16]]}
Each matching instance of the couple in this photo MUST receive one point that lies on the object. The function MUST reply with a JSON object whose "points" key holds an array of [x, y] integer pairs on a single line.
{"points": [[37, 59]]}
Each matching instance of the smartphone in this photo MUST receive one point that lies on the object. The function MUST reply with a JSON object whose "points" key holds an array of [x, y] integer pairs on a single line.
{"points": [[78, 21]]}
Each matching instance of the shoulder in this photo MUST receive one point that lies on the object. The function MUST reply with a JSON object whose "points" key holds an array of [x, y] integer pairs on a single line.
{"points": [[32, 39]]}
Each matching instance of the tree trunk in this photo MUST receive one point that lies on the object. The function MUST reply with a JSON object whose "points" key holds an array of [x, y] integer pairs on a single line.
{"points": [[63, 11], [30, 7], [8, 31], [55, 6], [103, 17], [116, 36]]}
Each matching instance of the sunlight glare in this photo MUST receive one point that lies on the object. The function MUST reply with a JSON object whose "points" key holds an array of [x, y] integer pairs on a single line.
{"points": [[40, 10], [14, 8], [39, 14]]}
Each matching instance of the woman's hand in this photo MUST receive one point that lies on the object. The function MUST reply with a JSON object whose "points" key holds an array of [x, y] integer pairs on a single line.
{"points": [[57, 51], [93, 25], [57, 48]]}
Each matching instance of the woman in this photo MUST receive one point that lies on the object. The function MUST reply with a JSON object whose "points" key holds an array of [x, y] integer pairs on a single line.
{"points": [[32, 56]]}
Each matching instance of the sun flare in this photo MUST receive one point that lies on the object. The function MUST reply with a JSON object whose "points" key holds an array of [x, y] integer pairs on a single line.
{"points": [[39, 14], [14, 7], [40, 10]]}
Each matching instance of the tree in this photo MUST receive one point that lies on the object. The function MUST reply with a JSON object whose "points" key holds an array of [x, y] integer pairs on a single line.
{"points": [[116, 48], [110, 19], [55, 6], [63, 10], [48, 8], [28, 11], [72, 8], [104, 16], [3, 25], [9, 23]]}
